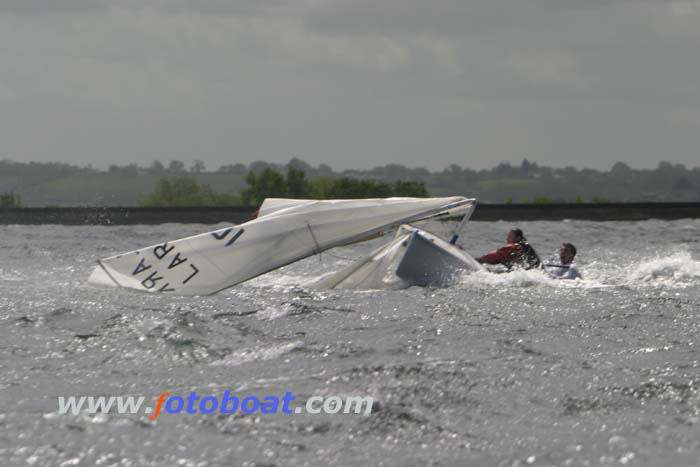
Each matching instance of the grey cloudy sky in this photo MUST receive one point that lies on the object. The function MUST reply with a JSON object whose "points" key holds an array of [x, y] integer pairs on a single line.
{"points": [[351, 83]]}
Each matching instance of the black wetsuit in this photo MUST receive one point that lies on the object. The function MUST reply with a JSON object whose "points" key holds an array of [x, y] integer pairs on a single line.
{"points": [[530, 258]]}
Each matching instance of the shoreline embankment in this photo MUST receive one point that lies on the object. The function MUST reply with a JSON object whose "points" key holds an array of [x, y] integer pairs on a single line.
{"points": [[239, 214]]}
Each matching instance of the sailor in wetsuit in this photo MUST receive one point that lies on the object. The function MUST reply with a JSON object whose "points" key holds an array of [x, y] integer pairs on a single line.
{"points": [[567, 269], [516, 252]]}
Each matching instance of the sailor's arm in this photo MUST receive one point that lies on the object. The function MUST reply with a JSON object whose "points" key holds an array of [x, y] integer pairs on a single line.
{"points": [[499, 256]]}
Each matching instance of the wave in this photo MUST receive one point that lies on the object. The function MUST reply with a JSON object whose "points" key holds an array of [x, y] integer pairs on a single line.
{"points": [[275, 312], [14, 276], [521, 278], [251, 355], [676, 270]]}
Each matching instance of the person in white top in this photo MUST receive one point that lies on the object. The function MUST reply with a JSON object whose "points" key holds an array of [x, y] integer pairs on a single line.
{"points": [[567, 269]]}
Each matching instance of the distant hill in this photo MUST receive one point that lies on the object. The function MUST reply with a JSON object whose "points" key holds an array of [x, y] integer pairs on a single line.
{"points": [[56, 184]]}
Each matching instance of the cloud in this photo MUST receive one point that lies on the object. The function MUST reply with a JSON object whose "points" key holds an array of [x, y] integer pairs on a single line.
{"points": [[350, 82], [23, 7], [407, 17], [212, 7], [205, 7], [440, 17], [545, 66]]}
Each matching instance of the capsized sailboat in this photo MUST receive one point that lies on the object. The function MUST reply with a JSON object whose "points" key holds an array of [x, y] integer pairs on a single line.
{"points": [[285, 231], [414, 257]]}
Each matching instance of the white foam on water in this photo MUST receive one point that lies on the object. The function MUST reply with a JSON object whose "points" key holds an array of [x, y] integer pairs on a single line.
{"points": [[525, 278], [11, 276], [277, 279], [274, 312], [675, 270], [242, 356], [520, 278]]}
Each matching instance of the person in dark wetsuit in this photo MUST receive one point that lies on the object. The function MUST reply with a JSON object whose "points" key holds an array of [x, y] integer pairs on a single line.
{"points": [[516, 252]]}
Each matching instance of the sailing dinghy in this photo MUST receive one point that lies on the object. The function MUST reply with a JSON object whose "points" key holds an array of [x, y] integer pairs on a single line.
{"points": [[414, 257], [285, 231]]}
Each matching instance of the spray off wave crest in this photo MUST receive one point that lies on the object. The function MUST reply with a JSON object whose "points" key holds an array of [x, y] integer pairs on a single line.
{"points": [[521, 278], [676, 270]]}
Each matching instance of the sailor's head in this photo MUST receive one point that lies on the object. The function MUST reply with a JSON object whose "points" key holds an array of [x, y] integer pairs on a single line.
{"points": [[515, 236], [567, 253]]}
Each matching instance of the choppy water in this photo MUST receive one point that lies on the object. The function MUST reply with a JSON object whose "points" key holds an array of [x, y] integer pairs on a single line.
{"points": [[500, 370]]}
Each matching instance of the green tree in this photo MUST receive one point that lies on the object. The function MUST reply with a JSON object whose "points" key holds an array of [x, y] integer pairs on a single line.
{"points": [[268, 184], [10, 200], [321, 187], [349, 188], [198, 167], [176, 168], [543, 200], [186, 191], [156, 168], [271, 184], [413, 189], [297, 185]]}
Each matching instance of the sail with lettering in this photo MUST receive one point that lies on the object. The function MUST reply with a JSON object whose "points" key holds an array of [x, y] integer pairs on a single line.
{"points": [[284, 232]]}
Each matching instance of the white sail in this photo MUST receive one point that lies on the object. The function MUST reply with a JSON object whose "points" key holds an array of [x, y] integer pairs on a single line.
{"points": [[374, 271], [273, 205], [213, 261]]}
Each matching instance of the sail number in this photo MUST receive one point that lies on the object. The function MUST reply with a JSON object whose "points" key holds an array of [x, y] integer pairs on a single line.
{"points": [[151, 281]]}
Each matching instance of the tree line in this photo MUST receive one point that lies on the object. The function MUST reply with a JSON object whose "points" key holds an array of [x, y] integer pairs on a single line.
{"points": [[10, 200], [184, 190], [41, 184]]}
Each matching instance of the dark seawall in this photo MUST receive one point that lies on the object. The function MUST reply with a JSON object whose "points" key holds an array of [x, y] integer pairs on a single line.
{"points": [[125, 216], [239, 214], [591, 212]]}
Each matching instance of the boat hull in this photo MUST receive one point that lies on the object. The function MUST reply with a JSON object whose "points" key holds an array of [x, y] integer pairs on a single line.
{"points": [[431, 261]]}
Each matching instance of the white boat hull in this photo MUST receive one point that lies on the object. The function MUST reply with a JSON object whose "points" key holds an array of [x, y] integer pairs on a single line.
{"points": [[431, 261], [413, 257]]}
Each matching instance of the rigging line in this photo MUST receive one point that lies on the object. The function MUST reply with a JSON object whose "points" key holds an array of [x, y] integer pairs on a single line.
{"points": [[319, 249]]}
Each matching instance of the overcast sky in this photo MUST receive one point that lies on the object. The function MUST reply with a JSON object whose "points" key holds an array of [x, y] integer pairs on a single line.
{"points": [[351, 83]]}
